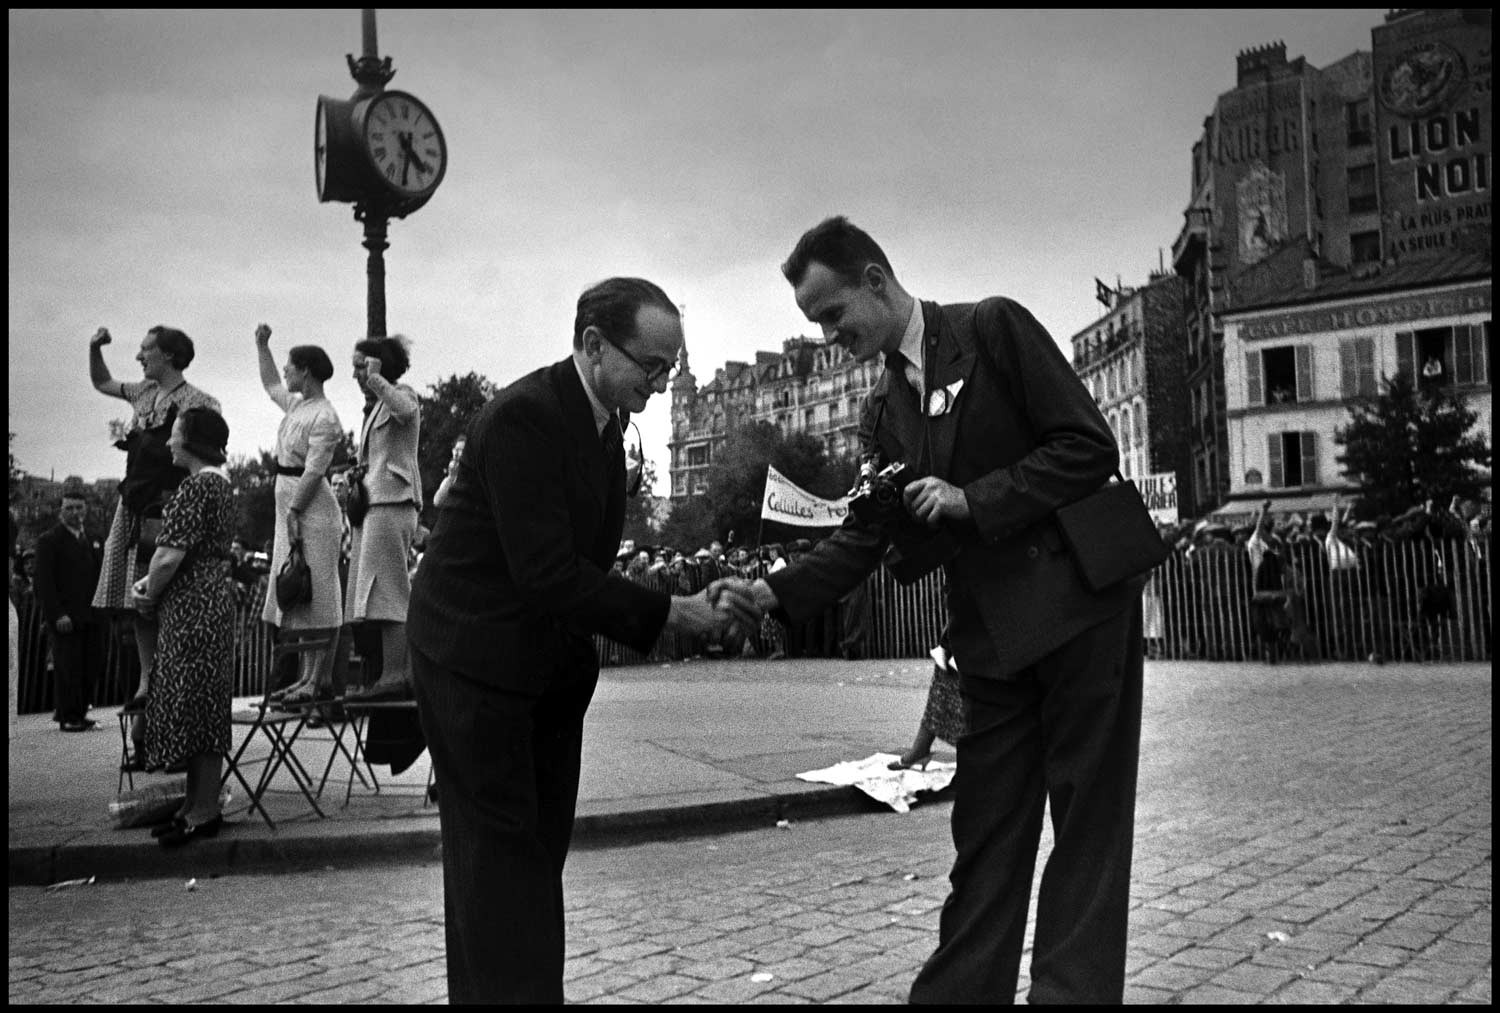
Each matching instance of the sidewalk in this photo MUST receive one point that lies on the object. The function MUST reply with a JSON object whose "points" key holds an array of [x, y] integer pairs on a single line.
{"points": [[690, 747]]}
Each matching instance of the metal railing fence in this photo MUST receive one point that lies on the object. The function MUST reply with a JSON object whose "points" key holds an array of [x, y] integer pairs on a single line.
{"points": [[1411, 600]]}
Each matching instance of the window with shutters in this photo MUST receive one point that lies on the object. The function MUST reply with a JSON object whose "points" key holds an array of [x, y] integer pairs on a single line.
{"points": [[1430, 356], [1292, 458], [1279, 375], [1356, 367]]}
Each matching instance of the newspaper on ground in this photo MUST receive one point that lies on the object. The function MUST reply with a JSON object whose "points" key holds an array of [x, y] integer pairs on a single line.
{"points": [[895, 788]]}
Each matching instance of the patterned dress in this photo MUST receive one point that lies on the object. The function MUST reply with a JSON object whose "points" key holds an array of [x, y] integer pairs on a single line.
{"points": [[123, 564], [946, 714], [309, 434], [189, 708]]}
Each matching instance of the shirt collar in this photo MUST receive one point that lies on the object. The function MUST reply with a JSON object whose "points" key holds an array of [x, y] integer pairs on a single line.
{"points": [[601, 413], [911, 343]]}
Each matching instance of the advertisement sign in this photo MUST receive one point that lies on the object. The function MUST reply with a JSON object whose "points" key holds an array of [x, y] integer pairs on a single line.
{"points": [[1432, 116], [789, 504], [1160, 493]]}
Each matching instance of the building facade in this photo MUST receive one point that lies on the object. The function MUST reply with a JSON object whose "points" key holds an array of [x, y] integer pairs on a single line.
{"points": [[807, 387], [1132, 360], [1297, 357], [1374, 161]]}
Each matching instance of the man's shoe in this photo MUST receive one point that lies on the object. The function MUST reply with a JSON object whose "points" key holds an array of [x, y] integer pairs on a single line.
{"points": [[76, 726]]}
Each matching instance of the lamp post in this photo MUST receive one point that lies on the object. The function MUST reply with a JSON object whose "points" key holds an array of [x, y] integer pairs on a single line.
{"points": [[381, 151], [371, 74]]}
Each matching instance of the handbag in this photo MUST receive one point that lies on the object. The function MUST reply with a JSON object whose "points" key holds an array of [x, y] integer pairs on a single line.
{"points": [[1111, 535], [294, 582], [357, 505]]}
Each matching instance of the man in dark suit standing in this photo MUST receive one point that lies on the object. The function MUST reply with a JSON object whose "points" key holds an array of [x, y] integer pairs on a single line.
{"points": [[67, 568], [983, 408], [515, 582]]}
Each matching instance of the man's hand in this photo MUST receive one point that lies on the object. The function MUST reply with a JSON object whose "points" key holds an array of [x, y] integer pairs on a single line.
{"points": [[696, 615], [748, 599], [262, 334], [745, 600], [101, 337], [372, 366], [65, 624], [933, 501]]}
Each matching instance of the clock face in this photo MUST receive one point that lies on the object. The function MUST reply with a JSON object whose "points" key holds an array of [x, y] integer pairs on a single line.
{"points": [[405, 144]]}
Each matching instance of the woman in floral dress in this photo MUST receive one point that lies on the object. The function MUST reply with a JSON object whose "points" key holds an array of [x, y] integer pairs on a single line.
{"points": [[189, 588]]}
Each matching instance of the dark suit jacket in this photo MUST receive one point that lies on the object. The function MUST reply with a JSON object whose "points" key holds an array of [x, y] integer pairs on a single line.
{"points": [[1021, 438], [516, 577], [66, 572]]}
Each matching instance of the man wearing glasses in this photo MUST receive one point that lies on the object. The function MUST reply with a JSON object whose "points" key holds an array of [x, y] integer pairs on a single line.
{"points": [[515, 582]]}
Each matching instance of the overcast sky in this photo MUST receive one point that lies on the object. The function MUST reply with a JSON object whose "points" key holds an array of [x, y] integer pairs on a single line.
{"points": [[161, 171]]}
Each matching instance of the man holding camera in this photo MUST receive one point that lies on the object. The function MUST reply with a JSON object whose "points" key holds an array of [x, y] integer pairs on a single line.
{"points": [[996, 432]]}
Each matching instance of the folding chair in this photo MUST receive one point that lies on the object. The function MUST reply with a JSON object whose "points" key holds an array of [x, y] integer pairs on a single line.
{"points": [[279, 728], [358, 713]]}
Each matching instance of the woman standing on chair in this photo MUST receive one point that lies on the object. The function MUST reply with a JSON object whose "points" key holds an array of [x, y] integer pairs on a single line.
{"points": [[306, 510], [188, 591], [165, 353]]}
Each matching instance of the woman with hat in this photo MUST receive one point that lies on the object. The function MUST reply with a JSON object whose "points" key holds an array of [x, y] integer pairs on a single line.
{"points": [[187, 589]]}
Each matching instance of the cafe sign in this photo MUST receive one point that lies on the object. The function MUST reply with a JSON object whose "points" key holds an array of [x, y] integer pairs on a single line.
{"points": [[1372, 313]]}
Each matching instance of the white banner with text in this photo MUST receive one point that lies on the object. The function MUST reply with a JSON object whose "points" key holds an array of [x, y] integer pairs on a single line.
{"points": [[789, 504], [1160, 493]]}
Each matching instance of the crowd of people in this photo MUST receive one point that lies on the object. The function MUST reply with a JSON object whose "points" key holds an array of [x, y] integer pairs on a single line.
{"points": [[1320, 585]]}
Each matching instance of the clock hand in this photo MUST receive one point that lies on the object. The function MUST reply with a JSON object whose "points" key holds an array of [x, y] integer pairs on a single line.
{"points": [[411, 152]]}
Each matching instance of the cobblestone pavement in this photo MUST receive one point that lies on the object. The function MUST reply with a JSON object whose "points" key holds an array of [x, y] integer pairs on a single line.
{"points": [[1308, 835]]}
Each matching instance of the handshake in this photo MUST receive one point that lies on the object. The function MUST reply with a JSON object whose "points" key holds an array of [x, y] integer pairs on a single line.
{"points": [[729, 607]]}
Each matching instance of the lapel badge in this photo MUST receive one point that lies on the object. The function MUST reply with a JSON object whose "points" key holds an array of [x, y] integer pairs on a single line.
{"points": [[940, 400]]}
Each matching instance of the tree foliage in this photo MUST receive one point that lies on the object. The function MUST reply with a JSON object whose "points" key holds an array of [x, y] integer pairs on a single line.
{"points": [[253, 479], [1405, 446], [446, 411], [737, 484]]}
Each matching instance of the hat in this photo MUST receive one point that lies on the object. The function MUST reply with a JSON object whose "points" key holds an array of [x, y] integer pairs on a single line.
{"points": [[703, 554]]}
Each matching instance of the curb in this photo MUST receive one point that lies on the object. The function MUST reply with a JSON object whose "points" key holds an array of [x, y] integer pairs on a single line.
{"points": [[375, 843]]}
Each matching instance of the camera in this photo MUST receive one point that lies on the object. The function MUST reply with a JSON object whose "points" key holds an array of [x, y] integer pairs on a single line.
{"points": [[876, 496], [876, 499]]}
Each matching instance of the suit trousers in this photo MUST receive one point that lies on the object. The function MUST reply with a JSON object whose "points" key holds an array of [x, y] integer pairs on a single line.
{"points": [[507, 764], [77, 661], [1065, 731]]}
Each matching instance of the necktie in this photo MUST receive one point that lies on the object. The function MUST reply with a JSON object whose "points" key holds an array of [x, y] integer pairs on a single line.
{"points": [[614, 440], [907, 368]]}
